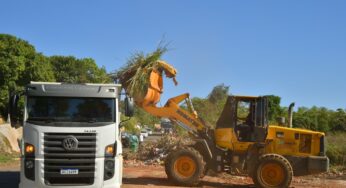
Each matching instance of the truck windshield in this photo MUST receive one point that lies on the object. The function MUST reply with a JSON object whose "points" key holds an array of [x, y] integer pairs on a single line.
{"points": [[69, 109]]}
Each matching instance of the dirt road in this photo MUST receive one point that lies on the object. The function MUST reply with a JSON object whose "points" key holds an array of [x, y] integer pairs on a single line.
{"points": [[154, 177]]}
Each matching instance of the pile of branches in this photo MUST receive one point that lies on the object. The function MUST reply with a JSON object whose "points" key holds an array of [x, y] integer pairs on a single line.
{"points": [[155, 152], [134, 76]]}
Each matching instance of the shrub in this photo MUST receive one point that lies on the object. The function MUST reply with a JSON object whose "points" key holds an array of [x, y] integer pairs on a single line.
{"points": [[336, 148]]}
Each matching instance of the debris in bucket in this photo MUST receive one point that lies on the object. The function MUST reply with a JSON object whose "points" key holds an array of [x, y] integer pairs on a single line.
{"points": [[134, 76]]}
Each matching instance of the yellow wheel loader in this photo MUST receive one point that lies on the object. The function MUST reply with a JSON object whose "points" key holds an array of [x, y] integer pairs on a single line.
{"points": [[243, 143]]}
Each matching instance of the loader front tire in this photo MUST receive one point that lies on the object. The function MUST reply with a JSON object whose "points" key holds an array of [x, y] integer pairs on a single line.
{"points": [[272, 171], [185, 166]]}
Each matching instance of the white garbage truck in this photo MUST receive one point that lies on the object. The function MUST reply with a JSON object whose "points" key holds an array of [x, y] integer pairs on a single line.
{"points": [[70, 135]]}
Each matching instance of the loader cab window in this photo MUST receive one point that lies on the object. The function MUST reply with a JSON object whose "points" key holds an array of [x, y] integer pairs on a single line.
{"points": [[243, 111], [244, 123]]}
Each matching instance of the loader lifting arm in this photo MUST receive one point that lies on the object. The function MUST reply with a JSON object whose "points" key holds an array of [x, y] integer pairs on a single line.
{"points": [[186, 118]]}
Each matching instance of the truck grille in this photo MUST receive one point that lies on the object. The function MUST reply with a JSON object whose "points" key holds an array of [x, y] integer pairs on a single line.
{"points": [[56, 158]]}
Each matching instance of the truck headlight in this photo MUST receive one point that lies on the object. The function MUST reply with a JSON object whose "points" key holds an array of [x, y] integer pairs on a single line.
{"points": [[29, 150], [29, 164], [109, 164], [110, 150], [29, 161]]}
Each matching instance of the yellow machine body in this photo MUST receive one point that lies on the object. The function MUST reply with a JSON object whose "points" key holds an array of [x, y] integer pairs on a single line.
{"points": [[224, 148], [280, 140]]}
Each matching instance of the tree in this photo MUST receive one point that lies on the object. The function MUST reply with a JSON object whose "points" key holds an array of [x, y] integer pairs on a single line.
{"points": [[274, 109], [338, 120], [144, 118], [315, 118], [219, 93], [19, 64], [72, 70], [209, 109]]}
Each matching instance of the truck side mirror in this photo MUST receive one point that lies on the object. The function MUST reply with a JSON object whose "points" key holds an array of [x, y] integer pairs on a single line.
{"points": [[129, 106], [13, 109]]}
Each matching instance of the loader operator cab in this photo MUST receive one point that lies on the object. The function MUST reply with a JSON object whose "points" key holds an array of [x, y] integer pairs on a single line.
{"points": [[247, 116]]}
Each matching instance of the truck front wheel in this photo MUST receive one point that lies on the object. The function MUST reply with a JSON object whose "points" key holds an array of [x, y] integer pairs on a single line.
{"points": [[185, 166], [272, 171]]}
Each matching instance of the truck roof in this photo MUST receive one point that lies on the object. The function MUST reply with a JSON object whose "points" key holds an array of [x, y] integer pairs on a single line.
{"points": [[60, 83], [56, 89]]}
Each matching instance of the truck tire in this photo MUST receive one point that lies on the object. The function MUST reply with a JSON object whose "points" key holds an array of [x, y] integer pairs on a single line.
{"points": [[272, 171], [185, 166]]}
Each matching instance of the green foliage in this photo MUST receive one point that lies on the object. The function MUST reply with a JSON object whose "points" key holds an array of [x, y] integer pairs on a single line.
{"points": [[8, 157], [129, 124], [275, 110], [134, 76], [140, 118], [219, 93], [144, 118], [72, 70], [336, 151], [20, 64], [209, 109], [314, 118], [320, 119], [338, 120]]}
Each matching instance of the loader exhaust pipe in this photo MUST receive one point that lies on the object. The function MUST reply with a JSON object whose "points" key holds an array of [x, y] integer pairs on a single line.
{"points": [[290, 115]]}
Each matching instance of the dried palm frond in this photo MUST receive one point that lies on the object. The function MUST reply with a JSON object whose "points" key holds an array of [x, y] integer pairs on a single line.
{"points": [[134, 76]]}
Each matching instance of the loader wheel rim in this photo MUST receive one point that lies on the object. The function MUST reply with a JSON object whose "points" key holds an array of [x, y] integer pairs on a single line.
{"points": [[185, 167], [272, 174]]}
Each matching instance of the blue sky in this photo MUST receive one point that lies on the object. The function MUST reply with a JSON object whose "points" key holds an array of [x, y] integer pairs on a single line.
{"points": [[293, 49]]}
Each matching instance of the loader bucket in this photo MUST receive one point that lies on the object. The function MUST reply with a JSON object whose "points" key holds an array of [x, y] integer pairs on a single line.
{"points": [[155, 89]]}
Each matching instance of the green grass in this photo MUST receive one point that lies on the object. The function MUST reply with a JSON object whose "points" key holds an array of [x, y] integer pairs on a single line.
{"points": [[7, 157]]}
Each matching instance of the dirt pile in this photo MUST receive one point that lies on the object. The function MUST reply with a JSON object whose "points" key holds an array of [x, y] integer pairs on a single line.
{"points": [[9, 138]]}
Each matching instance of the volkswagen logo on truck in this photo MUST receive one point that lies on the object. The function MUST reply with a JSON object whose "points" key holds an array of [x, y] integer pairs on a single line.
{"points": [[70, 143]]}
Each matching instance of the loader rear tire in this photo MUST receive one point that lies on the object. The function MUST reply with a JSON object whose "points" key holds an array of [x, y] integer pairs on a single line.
{"points": [[273, 171], [185, 166]]}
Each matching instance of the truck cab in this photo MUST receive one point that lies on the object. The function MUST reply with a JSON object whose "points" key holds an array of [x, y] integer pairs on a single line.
{"points": [[70, 135]]}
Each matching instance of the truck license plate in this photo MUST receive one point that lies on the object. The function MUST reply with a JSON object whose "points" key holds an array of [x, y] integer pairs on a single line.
{"points": [[69, 171]]}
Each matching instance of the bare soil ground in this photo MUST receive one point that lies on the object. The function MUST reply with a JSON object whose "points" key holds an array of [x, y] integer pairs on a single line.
{"points": [[154, 176], [140, 175]]}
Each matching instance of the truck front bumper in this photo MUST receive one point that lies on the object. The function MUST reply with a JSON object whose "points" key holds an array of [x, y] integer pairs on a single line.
{"points": [[114, 182]]}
